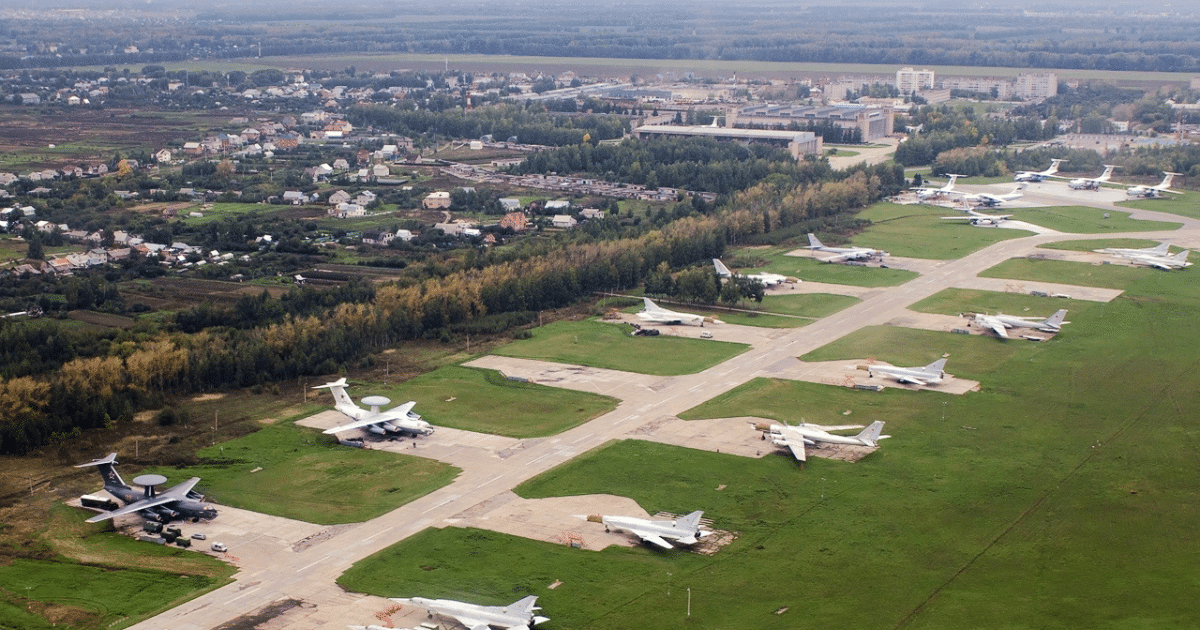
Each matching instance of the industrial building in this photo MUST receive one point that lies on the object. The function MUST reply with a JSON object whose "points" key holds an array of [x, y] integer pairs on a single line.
{"points": [[873, 122], [797, 142]]}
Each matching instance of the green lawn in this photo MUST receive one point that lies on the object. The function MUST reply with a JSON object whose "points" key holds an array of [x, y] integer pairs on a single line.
{"points": [[1042, 500], [776, 260], [1184, 205], [919, 231], [1101, 243], [1085, 220], [1070, 272], [308, 476], [955, 301], [610, 346], [468, 398]]}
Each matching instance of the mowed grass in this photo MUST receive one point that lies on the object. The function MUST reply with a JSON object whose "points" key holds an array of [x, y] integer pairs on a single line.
{"points": [[308, 476], [918, 231], [611, 346], [1085, 220], [470, 399], [776, 260], [92, 577], [1042, 500], [955, 301], [1185, 205], [1101, 243], [1081, 273]]}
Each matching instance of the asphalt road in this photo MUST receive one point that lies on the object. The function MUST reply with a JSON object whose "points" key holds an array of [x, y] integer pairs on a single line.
{"points": [[309, 573]]}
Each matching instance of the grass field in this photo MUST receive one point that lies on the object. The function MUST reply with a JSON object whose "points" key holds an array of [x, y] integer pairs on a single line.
{"points": [[776, 260], [67, 587], [955, 301], [919, 231], [1085, 220], [1100, 243], [310, 477], [1184, 205], [1038, 502], [468, 398], [1084, 274], [610, 346]]}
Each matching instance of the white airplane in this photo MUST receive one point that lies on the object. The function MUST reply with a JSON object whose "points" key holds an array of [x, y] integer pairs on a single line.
{"points": [[1162, 249], [979, 218], [396, 420], [1037, 176], [796, 436], [1092, 183], [843, 253], [930, 374], [518, 615], [924, 194], [1153, 191], [1000, 323], [685, 531], [766, 278], [1178, 261], [990, 200], [656, 314]]}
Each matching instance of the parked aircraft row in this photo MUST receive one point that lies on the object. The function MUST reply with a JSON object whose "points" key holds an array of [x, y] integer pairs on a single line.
{"points": [[1094, 183]]}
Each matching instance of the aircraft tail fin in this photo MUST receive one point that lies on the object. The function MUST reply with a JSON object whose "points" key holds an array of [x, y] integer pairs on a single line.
{"points": [[1166, 182], [107, 467], [1181, 256], [649, 305], [1054, 166], [524, 606], [936, 367], [722, 270], [1162, 249], [338, 389], [871, 435], [1056, 320], [1108, 171], [691, 521], [813, 243]]}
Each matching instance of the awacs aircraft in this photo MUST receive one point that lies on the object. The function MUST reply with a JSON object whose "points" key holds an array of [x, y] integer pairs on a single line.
{"points": [[1000, 323], [767, 279], [656, 314], [796, 436], [1037, 176], [990, 200], [684, 531], [1092, 183], [930, 374], [925, 194], [519, 615], [1162, 249], [396, 420], [178, 502], [842, 253], [1178, 261], [1153, 191]]}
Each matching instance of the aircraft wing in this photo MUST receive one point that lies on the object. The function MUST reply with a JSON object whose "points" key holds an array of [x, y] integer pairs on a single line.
{"points": [[402, 410], [837, 258], [133, 507], [473, 624], [997, 328], [654, 538], [836, 427], [911, 379], [797, 449], [181, 491], [376, 419]]}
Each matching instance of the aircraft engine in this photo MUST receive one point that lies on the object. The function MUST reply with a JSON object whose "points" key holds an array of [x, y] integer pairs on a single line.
{"points": [[377, 429]]}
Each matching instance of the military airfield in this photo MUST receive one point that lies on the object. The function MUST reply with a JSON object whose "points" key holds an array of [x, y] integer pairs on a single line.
{"points": [[785, 374]]}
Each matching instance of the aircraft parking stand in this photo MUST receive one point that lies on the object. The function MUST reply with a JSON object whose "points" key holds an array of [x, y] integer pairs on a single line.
{"points": [[577, 377]]}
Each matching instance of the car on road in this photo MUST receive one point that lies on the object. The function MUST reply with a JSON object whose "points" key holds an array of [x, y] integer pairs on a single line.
{"points": [[198, 536], [219, 547]]}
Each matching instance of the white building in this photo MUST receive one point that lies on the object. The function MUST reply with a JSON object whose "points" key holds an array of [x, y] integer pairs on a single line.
{"points": [[909, 81]]}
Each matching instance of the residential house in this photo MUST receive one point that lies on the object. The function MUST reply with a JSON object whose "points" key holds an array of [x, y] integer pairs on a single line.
{"points": [[516, 221], [294, 197], [378, 237], [339, 196], [563, 221], [592, 213], [439, 200], [510, 204], [558, 204]]}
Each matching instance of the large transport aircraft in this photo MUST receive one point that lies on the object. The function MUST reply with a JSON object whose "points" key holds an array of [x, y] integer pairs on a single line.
{"points": [[179, 502], [796, 436], [1090, 183], [1037, 176], [841, 254], [931, 374], [395, 420], [656, 314], [989, 200], [519, 615], [1000, 323], [684, 531], [925, 194], [766, 278], [1150, 192], [979, 218]]}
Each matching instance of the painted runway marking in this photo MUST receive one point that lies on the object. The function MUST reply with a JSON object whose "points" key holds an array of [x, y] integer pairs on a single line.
{"points": [[242, 595]]}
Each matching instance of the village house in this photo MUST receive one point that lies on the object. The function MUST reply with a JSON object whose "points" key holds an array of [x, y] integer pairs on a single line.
{"points": [[563, 221], [516, 221], [439, 200]]}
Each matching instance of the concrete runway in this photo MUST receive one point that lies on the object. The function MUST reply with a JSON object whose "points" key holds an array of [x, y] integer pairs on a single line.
{"points": [[295, 574]]}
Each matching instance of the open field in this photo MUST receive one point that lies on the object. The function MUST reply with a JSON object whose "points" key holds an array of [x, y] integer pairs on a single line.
{"points": [[1184, 205], [776, 260], [599, 66], [87, 576], [479, 400], [919, 231], [610, 346], [1085, 220], [1101, 243], [1085, 274], [308, 476], [1039, 500], [955, 301]]}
